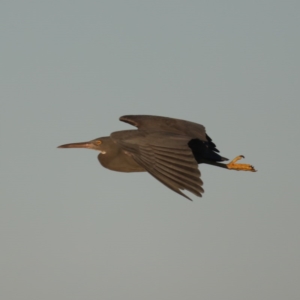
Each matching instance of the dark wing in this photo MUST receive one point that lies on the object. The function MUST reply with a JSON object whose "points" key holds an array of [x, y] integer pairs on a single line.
{"points": [[193, 130], [182, 127], [165, 156]]}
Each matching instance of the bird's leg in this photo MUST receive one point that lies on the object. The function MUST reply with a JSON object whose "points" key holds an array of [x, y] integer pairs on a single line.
{"points": [[239, 167]]}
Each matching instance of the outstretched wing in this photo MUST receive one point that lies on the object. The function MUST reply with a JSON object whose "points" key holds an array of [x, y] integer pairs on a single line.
{"points": [[193, 130], [166, 156], [157, 123]]}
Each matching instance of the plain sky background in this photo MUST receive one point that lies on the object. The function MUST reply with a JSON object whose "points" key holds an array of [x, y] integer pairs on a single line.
{"points": [[71, 229]]}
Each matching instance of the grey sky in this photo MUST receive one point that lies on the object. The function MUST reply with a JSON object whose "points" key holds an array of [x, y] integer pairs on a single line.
{"points": [[71, 229]]}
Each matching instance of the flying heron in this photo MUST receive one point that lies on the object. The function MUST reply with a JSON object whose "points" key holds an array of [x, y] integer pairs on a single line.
{"points": [[169, 149]]}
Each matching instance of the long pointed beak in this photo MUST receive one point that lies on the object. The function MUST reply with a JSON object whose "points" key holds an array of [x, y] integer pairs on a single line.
{"points": [[87, 145]]}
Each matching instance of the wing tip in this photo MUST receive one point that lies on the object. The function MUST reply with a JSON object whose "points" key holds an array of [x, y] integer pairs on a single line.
{"points": [[128, 119], [198, 195]]}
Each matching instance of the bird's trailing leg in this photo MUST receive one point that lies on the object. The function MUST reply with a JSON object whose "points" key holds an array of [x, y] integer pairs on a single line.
{"points": [[239, 167]]}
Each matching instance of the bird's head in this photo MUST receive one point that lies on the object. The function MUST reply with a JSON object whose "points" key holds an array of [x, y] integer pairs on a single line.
{"points": [[96, 144]]}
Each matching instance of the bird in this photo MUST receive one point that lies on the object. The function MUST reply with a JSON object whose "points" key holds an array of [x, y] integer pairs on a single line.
{"points": [[169, 149]]}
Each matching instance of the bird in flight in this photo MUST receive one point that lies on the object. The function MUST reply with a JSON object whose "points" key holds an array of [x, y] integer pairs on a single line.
{"points": [[169, 149]]}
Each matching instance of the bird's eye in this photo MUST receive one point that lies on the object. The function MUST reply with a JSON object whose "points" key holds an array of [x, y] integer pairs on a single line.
{"points": [[98, 142]]}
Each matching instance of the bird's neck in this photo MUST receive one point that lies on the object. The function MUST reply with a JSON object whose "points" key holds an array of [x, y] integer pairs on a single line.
{"points": [[119, 161]]}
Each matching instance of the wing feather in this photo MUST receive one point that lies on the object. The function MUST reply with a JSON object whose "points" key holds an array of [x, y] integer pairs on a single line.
{"points": [[180, 174], [178, 126], [172, 125], [167, 157]]}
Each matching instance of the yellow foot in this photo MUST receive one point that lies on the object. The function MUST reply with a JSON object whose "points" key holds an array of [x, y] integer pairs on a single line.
{"points": [[240, 167]]}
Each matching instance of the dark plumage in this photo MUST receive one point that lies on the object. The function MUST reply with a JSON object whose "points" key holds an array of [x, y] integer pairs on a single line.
{"points": [[169, 149]]}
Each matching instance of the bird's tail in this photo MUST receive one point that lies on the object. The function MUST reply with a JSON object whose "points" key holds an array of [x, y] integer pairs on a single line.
{"points": [[204, 151]]}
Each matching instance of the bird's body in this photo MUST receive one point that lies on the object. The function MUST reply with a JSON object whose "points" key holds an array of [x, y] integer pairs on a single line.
{"points": [[116, 159], [169, 149]]}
